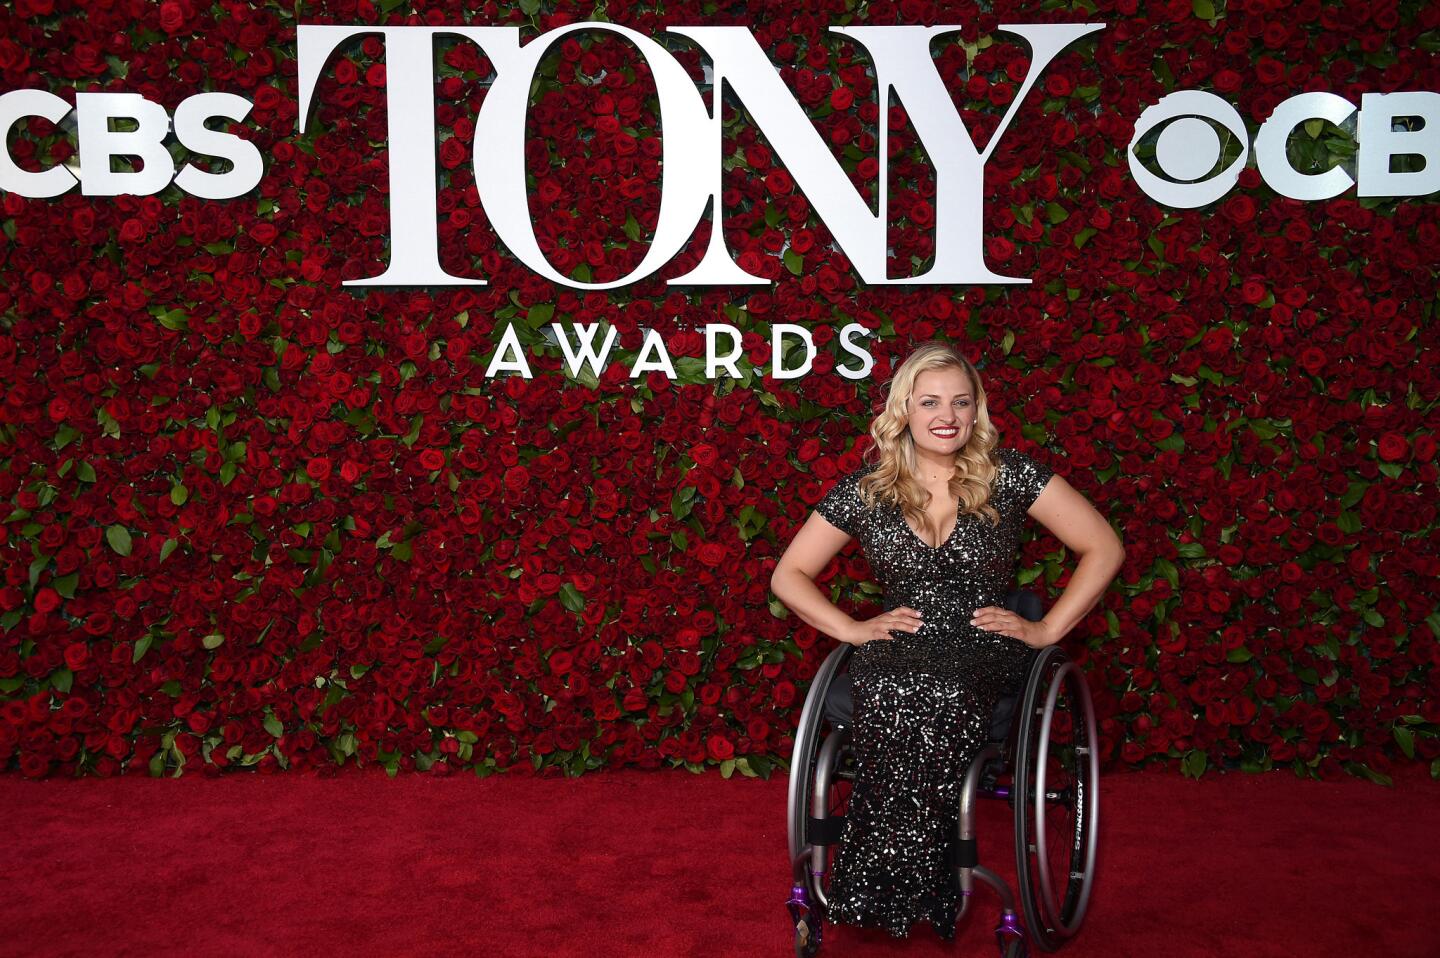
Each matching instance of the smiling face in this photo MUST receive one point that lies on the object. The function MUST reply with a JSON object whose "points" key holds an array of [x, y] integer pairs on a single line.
{"points": [[941, 412]]}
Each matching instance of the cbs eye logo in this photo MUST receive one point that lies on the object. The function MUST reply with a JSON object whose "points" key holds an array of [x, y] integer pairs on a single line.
{"points": [[1198, 144]]}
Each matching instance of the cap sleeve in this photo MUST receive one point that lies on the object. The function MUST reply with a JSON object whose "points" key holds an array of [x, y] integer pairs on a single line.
{"points": [[1024, 475], [841, 506]]}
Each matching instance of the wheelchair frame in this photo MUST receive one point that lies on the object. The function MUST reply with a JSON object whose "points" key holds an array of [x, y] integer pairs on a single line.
{"points": [[1052, 913]]}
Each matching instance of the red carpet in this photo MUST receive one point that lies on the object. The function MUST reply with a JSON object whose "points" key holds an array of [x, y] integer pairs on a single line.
{"points": [[666, 863]]}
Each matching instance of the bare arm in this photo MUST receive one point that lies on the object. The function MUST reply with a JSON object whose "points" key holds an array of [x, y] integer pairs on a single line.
{"points": [[793, 583], [1073, 520]]}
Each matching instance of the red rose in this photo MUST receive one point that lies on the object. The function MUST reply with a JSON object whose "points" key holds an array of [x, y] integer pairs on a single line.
{"points": [[77, 654], [712, 554], [1394, 447], [453, 153], [318, 469], [47, 600], [719, 748], [172, 17], [704, 454], [1312, 360]]}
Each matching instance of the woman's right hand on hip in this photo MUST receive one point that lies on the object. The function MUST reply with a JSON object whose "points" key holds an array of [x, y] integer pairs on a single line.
{"points": [[901, 619]]}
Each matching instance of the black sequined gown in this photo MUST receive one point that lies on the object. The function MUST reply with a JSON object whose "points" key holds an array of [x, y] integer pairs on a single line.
{"points": [[923, 700]]}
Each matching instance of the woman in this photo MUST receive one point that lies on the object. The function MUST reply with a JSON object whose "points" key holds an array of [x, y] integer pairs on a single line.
{"points": [[938, 513]]}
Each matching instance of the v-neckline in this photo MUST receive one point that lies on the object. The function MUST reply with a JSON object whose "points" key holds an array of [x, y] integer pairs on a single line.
{"points": [[944, 541]]}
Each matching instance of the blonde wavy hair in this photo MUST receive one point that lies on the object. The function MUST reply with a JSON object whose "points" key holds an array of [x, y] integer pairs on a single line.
{"points": [[895, 480]]}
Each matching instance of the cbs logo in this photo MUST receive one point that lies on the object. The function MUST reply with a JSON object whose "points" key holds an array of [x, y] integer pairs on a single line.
{"points": [[1194, 134]]}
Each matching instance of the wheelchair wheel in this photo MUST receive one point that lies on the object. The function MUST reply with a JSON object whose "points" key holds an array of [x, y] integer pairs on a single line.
{"points": [[809, 735], [818, 760], [1056, 799]]}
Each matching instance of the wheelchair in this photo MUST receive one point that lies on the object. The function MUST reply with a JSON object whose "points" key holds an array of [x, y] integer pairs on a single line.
{"points": [[1041, 757]]}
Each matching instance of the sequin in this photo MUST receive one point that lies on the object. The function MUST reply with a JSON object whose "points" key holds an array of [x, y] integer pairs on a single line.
{"points": [[923, 700]]}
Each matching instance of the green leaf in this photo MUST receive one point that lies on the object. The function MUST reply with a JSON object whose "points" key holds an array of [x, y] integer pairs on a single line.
{"points": [[37, 567], [273, 726], [142, 646], [119, 538], [414, 433], [1167, 570], [85, 472], [213, 641], [1204, 9], [1194, 763], [169, 547], [179, 494], [1364, 771], [571, 598], [1406, 740], [174, 319], [62, 679], [65, 435], [794, 262], [727, 768], [1354, 494]]}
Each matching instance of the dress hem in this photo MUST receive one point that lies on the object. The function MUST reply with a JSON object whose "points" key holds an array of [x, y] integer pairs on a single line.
{"points": [[841, 915]]}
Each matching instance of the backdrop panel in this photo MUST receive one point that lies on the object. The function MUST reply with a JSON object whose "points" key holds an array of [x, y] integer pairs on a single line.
{"points": [[256, 517]]}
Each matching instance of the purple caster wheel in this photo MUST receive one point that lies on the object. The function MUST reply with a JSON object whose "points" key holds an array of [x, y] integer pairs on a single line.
{"points": [[806, 919]]}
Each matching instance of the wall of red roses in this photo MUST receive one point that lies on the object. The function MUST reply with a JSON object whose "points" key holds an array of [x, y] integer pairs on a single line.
{"points": [[255, 519]]}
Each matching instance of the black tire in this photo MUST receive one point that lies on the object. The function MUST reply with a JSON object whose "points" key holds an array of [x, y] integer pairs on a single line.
{"points": [[1056, 750]]}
